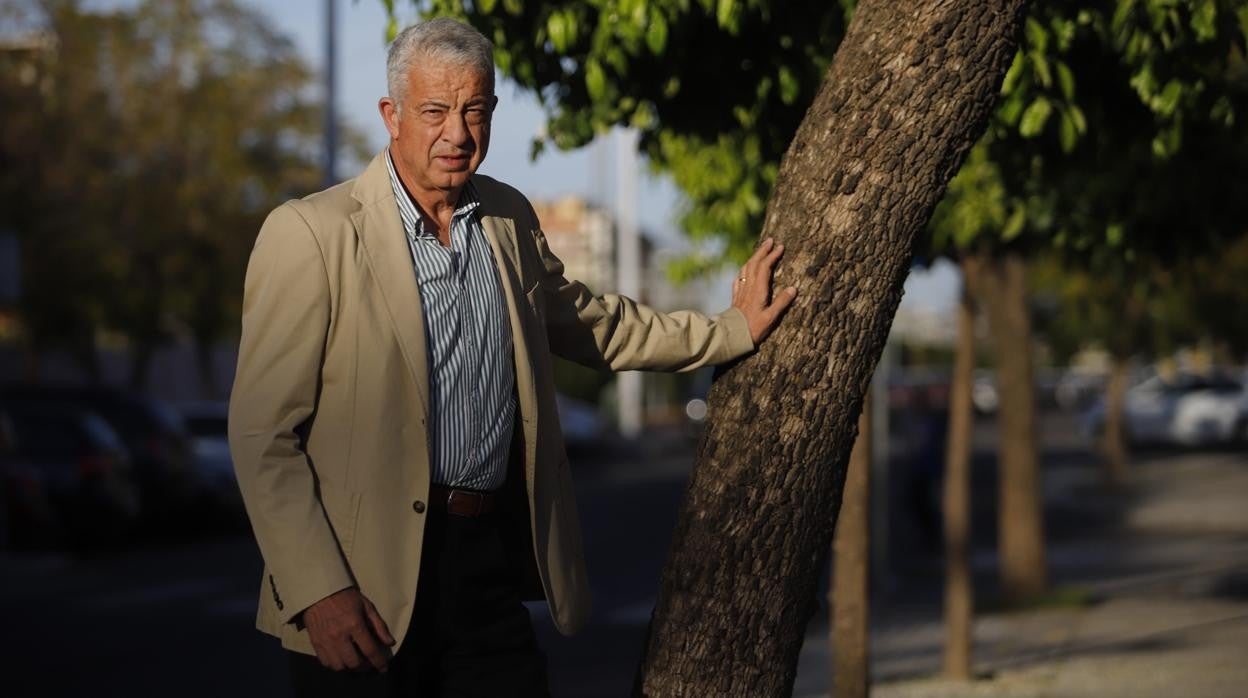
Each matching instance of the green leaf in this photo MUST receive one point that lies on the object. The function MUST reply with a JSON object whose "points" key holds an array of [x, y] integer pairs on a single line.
{"points": [[1011, 108], [1010, 83], [672, 87], [1114, 234], [1076, 115], [1066, 80], [1041, 65], [1121, 13], [486, 6], [595, 80], [656, 33], [743, 116], [1037, 35], [1034, 117], [725, 15], [1068, 132], [1166, 102], [1204, 20], [557, 30], [513, 7], [1014, 224], [789, 86]]}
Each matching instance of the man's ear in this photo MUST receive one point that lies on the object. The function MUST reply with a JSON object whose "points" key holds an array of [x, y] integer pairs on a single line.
{"points": [[389, 109]]}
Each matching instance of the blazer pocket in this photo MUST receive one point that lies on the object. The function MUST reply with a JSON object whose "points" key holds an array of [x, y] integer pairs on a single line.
{"points": [[342, 507]]}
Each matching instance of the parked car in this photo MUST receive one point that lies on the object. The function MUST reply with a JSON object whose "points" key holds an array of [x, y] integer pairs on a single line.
{"points": [[73, 461], [152, 433], [1189, 410], [216, 486], [26, 515]]}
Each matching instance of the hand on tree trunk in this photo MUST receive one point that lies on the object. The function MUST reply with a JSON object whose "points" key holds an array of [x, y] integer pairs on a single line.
{"points": [[751, 292]]}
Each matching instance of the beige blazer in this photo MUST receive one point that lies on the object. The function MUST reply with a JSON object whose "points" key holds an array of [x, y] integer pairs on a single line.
{"points": [[330, 400]]}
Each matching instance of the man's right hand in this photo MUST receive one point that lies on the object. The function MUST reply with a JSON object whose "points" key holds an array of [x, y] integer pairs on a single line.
{"points": [[345, 625]]}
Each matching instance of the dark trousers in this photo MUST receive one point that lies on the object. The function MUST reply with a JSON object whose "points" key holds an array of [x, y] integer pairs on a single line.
{"points": [[470, 634]]}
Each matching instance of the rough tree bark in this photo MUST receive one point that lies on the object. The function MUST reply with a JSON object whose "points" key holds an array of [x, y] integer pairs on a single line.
{"points": [[907, 94], [849, 598], [1114, 438], [1020, 518], [959, 588]]}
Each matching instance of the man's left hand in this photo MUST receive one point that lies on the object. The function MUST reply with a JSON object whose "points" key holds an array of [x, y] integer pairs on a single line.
{"points": [[751, 292]]}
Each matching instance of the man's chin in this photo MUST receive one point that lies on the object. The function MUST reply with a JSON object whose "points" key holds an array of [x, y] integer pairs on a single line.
{"points": [[455, 180]]}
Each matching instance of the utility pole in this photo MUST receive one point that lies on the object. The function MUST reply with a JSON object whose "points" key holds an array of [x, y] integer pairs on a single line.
{"points": [[330, 154], [628, 265]]}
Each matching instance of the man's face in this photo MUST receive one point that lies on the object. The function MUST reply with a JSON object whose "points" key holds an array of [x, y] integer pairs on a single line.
{"points": [[440, 132]]}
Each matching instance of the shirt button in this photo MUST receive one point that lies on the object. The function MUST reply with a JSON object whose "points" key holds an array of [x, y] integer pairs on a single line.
{"points": [[418, 506]]}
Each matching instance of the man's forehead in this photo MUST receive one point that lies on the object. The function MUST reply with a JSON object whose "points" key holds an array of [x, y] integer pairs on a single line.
{"points": [[441, 78]]}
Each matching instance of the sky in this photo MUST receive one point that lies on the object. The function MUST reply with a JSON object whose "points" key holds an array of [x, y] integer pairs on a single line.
{"points": [[587, 172]]}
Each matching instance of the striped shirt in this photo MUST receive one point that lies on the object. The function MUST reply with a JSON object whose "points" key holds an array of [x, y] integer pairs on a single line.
{"points": [[472, 402]]}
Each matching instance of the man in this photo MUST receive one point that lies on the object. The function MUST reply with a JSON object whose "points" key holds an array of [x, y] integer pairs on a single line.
{"points": [[393, 418]]}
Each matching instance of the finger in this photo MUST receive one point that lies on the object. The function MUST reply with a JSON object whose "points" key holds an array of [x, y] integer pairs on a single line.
{"points": [[769, 262], [329, 652], [759, 252], [351, 659], [379, 626], [781, 302], [367, 645], [323, 655], [337, 661]]}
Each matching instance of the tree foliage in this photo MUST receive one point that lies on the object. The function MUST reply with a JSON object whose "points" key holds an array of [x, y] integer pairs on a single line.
{"points": [[1116, 115], [1120, 139], [142, 146], [716, 88]]}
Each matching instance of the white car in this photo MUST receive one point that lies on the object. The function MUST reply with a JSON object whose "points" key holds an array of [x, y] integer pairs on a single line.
{"points": [[1188, 411]]}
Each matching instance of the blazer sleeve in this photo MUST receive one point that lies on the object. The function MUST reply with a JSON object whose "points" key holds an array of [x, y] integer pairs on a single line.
{"points": [[617, 333], [286, 315]]}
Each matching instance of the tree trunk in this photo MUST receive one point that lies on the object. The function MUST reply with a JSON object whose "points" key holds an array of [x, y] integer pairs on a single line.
{"points": [[959, 589], [1114, 438], [905, 97], [849, 599], [1020, 536]]}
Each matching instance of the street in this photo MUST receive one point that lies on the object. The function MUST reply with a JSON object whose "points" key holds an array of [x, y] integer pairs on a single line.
{"points": [[1163, 567]]}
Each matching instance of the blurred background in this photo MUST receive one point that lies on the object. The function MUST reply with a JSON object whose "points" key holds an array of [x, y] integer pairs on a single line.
{"points": [[1082, 288]]}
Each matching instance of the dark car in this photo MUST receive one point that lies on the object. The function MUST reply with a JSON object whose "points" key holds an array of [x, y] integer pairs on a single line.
{"points": [[154, 435], [26, 515], [215, 484], [74, 462]]}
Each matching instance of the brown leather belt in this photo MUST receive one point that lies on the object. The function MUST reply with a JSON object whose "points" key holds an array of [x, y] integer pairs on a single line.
{"points": [[468, 503]]}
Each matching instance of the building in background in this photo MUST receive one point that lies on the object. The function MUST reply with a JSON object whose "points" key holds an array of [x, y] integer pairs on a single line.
{"points": [[583, 236]]}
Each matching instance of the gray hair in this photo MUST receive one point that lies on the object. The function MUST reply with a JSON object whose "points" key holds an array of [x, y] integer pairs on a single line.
{"points": [[444, 40]]}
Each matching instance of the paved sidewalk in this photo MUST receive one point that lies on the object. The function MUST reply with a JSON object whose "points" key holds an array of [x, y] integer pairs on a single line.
{"points": [[1168, 615]]}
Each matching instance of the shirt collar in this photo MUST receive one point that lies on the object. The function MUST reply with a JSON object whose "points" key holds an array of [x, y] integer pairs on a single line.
{"points": [[413, 222]]}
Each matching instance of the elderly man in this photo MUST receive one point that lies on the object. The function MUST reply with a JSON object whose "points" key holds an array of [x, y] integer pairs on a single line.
{"points": [[393, 418]]}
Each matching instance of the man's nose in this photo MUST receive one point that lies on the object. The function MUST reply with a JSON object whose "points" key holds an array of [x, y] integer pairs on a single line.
{"points": [[456, 131]]}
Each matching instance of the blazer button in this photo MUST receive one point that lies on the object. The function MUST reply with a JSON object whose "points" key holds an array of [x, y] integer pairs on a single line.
{"points": [[418, 506]]}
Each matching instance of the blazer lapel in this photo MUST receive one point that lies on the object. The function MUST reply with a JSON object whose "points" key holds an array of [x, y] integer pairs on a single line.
{"points": [[501, 232], [380, 232]]}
